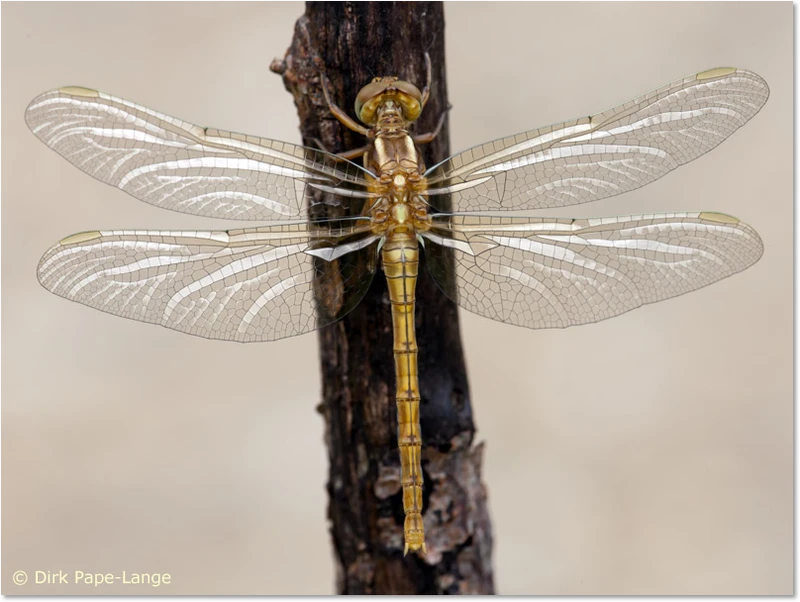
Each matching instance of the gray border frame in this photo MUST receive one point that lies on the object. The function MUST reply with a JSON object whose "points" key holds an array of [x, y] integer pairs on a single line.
{"points": [[795, 248], [796, 417]]}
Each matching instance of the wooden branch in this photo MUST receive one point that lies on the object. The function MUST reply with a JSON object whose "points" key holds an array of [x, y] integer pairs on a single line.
{"points": [[352, 42]]}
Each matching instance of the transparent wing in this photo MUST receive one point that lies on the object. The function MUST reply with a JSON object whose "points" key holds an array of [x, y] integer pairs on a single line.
{"points": [[554, 273], [606, 154], [184, 167], [257, 284]]}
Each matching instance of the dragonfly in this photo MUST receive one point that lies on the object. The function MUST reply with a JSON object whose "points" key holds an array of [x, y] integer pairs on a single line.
{"points": [[295, 273]]}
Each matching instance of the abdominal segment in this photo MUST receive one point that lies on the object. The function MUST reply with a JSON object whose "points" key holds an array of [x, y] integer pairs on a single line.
{"points": [[400, 256]]}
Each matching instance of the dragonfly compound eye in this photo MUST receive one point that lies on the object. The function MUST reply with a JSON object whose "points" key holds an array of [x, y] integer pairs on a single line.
{"points": [[372, 95]]}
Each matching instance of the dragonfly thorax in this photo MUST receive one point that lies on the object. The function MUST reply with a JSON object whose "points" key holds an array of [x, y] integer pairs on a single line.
{"points": [[392, 153], [400, 207]]}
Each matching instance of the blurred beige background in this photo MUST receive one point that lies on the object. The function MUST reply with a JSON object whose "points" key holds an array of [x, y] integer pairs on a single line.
{"points": [[651, 453]]}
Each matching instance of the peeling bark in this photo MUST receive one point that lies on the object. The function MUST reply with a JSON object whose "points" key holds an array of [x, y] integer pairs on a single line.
{"points": [[352, 42]]}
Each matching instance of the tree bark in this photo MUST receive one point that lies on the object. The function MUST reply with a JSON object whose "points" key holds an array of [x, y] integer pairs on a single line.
{"points": [[352, 42]]}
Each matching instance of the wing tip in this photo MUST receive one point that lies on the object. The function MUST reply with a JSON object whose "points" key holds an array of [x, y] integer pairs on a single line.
{"points": [[754, 241], [718, 72], [34, 120], [45, 276]]}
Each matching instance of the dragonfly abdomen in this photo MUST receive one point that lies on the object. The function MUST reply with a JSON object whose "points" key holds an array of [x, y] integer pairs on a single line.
{"points": [[400, 256]]}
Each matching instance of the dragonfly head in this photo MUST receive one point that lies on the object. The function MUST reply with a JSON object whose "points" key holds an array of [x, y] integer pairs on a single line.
{"points": [[375, 97]]}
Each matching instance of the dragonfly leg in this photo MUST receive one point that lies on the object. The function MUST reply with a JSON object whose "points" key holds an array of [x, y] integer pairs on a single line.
{"points": [[343, 117], [348, 155], [430, 136], [426, 91]]}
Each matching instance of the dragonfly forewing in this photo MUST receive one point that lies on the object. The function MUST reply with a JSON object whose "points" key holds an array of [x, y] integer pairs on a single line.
{"points": [[554, 273], [603, 155], [180, 166], [255, 284]]}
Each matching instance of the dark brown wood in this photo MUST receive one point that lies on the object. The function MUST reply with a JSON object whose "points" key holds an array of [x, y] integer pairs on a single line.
{"points": [[353, 42]]}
